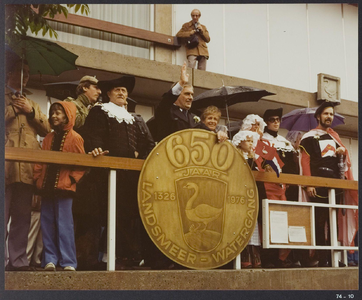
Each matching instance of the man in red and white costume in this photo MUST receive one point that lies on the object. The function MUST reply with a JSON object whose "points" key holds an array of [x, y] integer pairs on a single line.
{"points": [[320, 149]]}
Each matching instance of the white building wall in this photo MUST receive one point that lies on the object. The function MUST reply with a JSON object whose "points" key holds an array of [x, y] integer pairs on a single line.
{"points": [[281, 44]]}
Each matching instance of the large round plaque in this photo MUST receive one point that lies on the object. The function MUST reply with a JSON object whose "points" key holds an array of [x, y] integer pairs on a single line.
{"points": [[198, 199]]}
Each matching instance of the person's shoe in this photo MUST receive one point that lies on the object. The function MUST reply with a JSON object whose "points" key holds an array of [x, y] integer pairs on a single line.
{"points": [[341, 264], [284, 263], [324, 264], [310, 263], [255, 256], [296, 264], [246, 258], [49, 267], [352, 264], [69, 268], [268, 265], [21, 269]]}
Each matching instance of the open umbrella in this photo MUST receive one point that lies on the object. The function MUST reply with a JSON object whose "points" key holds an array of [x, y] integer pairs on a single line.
{"points": [[225, 96], [228, 95], [302, 119], [61, 90], [44, 57]]}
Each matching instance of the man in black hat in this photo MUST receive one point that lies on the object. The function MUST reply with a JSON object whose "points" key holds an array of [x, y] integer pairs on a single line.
{"points": [[286, 152], [111, 129], [321, 151], [173, 112], [88, 93]]}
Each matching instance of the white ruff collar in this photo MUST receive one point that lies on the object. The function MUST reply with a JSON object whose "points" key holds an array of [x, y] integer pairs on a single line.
{"points": [[117, 112]]}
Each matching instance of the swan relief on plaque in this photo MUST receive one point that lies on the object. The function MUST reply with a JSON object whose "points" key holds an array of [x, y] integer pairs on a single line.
{"points": [[197, 199]]}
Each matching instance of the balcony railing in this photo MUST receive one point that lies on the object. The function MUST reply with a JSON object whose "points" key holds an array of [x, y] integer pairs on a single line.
{"points": [[115, 163]]}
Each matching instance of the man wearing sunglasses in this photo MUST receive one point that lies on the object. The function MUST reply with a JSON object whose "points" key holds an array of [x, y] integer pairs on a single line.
{"points": [[285, 150], [276, 191]]}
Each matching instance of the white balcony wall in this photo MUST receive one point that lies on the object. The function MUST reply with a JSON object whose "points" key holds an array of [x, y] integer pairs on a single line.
{"points": [[281, 44]]}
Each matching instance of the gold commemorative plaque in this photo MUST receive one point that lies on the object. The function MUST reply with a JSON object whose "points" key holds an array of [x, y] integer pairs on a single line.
{"points": [[198, 199]]}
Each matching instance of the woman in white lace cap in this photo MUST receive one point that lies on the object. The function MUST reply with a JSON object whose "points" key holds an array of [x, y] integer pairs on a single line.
{"points": [[245, 141], [253, 123], [111, 129]]}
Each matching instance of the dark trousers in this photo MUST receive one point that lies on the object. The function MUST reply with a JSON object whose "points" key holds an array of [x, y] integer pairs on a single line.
{"points": [[322, 236], [18, 198]]}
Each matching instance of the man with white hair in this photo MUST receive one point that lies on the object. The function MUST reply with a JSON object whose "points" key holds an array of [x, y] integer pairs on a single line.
{"points": [[198, 52]]}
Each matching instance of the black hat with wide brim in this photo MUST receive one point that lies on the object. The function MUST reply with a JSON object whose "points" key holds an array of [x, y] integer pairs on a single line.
{"points": [[273, 112], [125, 81]]}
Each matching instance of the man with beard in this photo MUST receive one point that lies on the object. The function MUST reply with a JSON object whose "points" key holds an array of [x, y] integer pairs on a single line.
{"points": [[321, 149]]}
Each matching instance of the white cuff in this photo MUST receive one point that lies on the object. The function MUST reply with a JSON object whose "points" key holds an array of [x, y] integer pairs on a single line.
{"points": [[176, 90]]}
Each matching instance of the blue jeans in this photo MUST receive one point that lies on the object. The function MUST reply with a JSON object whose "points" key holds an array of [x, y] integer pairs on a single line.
{"points": [[58, 231]]}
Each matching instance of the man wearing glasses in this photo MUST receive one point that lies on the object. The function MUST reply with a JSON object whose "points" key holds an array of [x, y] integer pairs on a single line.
{"points": [[195, 51], [285, 150]]}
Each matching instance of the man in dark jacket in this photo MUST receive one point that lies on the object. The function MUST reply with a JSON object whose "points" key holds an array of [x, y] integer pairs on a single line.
{"points": [[111, 129], [172, 114]]}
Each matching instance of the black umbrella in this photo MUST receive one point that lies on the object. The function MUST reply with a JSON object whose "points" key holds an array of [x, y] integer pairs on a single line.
{"points": [[228, 95], [225, 96], [61, 90]]}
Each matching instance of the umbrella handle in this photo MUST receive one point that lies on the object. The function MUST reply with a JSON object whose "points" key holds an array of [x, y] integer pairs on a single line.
{"points": [[227, 115]]}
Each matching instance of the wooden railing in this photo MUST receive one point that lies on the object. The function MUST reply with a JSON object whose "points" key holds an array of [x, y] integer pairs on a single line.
{"points": [[114, 163], [95, 24], [29, 155]]}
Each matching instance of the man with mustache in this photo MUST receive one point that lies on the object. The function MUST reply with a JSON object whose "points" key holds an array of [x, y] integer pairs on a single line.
{"points": [[320, 154]]}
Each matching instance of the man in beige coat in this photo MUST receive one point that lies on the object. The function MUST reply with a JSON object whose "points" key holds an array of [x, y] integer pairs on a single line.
{"points": [[23, 122], [199, 53]]}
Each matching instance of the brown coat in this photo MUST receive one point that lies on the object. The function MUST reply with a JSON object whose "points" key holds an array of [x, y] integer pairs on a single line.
{"points": [[21, 131], [201, 50]]}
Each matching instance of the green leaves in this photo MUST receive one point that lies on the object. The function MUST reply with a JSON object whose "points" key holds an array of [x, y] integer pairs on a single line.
{"points": [[21, 18]]}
